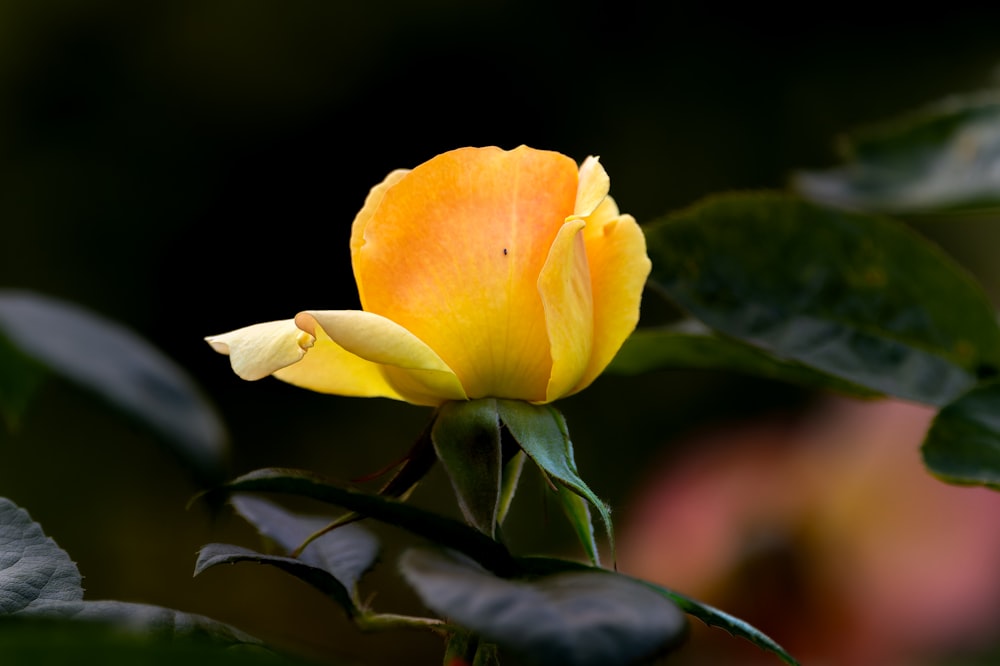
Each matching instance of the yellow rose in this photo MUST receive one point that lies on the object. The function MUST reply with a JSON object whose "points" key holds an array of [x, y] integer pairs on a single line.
{"points": [[482, 273]]}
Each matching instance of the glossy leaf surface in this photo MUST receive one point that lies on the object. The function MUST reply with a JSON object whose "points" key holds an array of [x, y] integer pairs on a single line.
{"points": [[855, 296], [579, 618]]}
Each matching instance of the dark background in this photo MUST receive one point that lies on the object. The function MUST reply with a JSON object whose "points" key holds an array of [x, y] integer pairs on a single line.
{"points": [[193, 166]]}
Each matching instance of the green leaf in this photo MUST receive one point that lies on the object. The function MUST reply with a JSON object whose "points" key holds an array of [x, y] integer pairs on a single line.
{"points": [[214, 554], [692, 345], [577, 618], [943, 158], [541, 432], [124, 369], [38, 579], [438, 529], [52, 641], [19, 380], [33, 569], [466, 437], [346, 553], [855, 296], [963, 443], [713, 617], [143, 619]]}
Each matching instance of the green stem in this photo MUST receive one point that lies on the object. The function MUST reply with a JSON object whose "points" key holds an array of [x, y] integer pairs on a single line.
{"points": [[387, 621]]}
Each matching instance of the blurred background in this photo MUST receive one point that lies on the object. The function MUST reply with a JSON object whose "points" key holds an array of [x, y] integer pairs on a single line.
{"points": [[193, 166]]}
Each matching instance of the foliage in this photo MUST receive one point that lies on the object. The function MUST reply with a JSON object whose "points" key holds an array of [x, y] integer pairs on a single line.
{"points": [[824, 285]]}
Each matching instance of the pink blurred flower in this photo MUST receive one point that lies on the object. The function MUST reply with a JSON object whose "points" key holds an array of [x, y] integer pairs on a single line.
{"points": [[828, 534]]}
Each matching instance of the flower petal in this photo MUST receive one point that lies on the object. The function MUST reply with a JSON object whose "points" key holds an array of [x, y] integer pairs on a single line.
{"points": [[410, 367], [279, 348], [593, 187], [259, 350], [619, 266], [453, 253], [372, 202], [564, 286]]}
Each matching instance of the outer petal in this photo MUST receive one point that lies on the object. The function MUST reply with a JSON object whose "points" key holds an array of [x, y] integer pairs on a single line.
{"points": [[564, 286], [259, 350], [410, 367], [453, 253], [619, 266], [279, 348], [593, 187], [372, 202]]}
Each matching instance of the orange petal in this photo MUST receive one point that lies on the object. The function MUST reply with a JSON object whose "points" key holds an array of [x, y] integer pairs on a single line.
{"points": [[619, 266], [372, 202], [453, 252], [564, 286]]}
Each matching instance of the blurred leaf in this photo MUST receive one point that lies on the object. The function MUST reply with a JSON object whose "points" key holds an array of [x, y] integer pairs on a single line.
{"points": [[121, 367], [19, 380], [573, 618], [38, 579], [542, 433], [692, 345], [438, 529], [712, 617], [143, 619], [346, 553], [215, 554], [859, 297], [466, 437], [33, 569], [963, 443], [52, 641], [943, 158]]}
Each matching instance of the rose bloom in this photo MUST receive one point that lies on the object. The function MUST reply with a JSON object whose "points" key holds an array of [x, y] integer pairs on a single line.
{"points": [[482, 273]]}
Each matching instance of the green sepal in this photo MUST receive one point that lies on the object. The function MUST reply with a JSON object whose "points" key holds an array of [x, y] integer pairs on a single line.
{"points": [[541, 432], [466, 437]]}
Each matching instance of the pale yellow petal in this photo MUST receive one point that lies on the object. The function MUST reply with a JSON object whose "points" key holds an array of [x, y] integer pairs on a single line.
{"points": [[564, 286], [259, 350], [412, 368], [329, 368], [619, 267], [593, 187]]}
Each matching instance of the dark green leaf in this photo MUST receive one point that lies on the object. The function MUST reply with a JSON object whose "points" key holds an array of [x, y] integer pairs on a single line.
{"points": [[855, 296], [578, 618], [466, 437], [103, 357], [33, 569], [346, 552], [19, 380], [541, 432], [44, 641], [943, 158], [215, 554], [438, 529], [692, 345], [713, 617], [144, 619], [963, 443]]}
